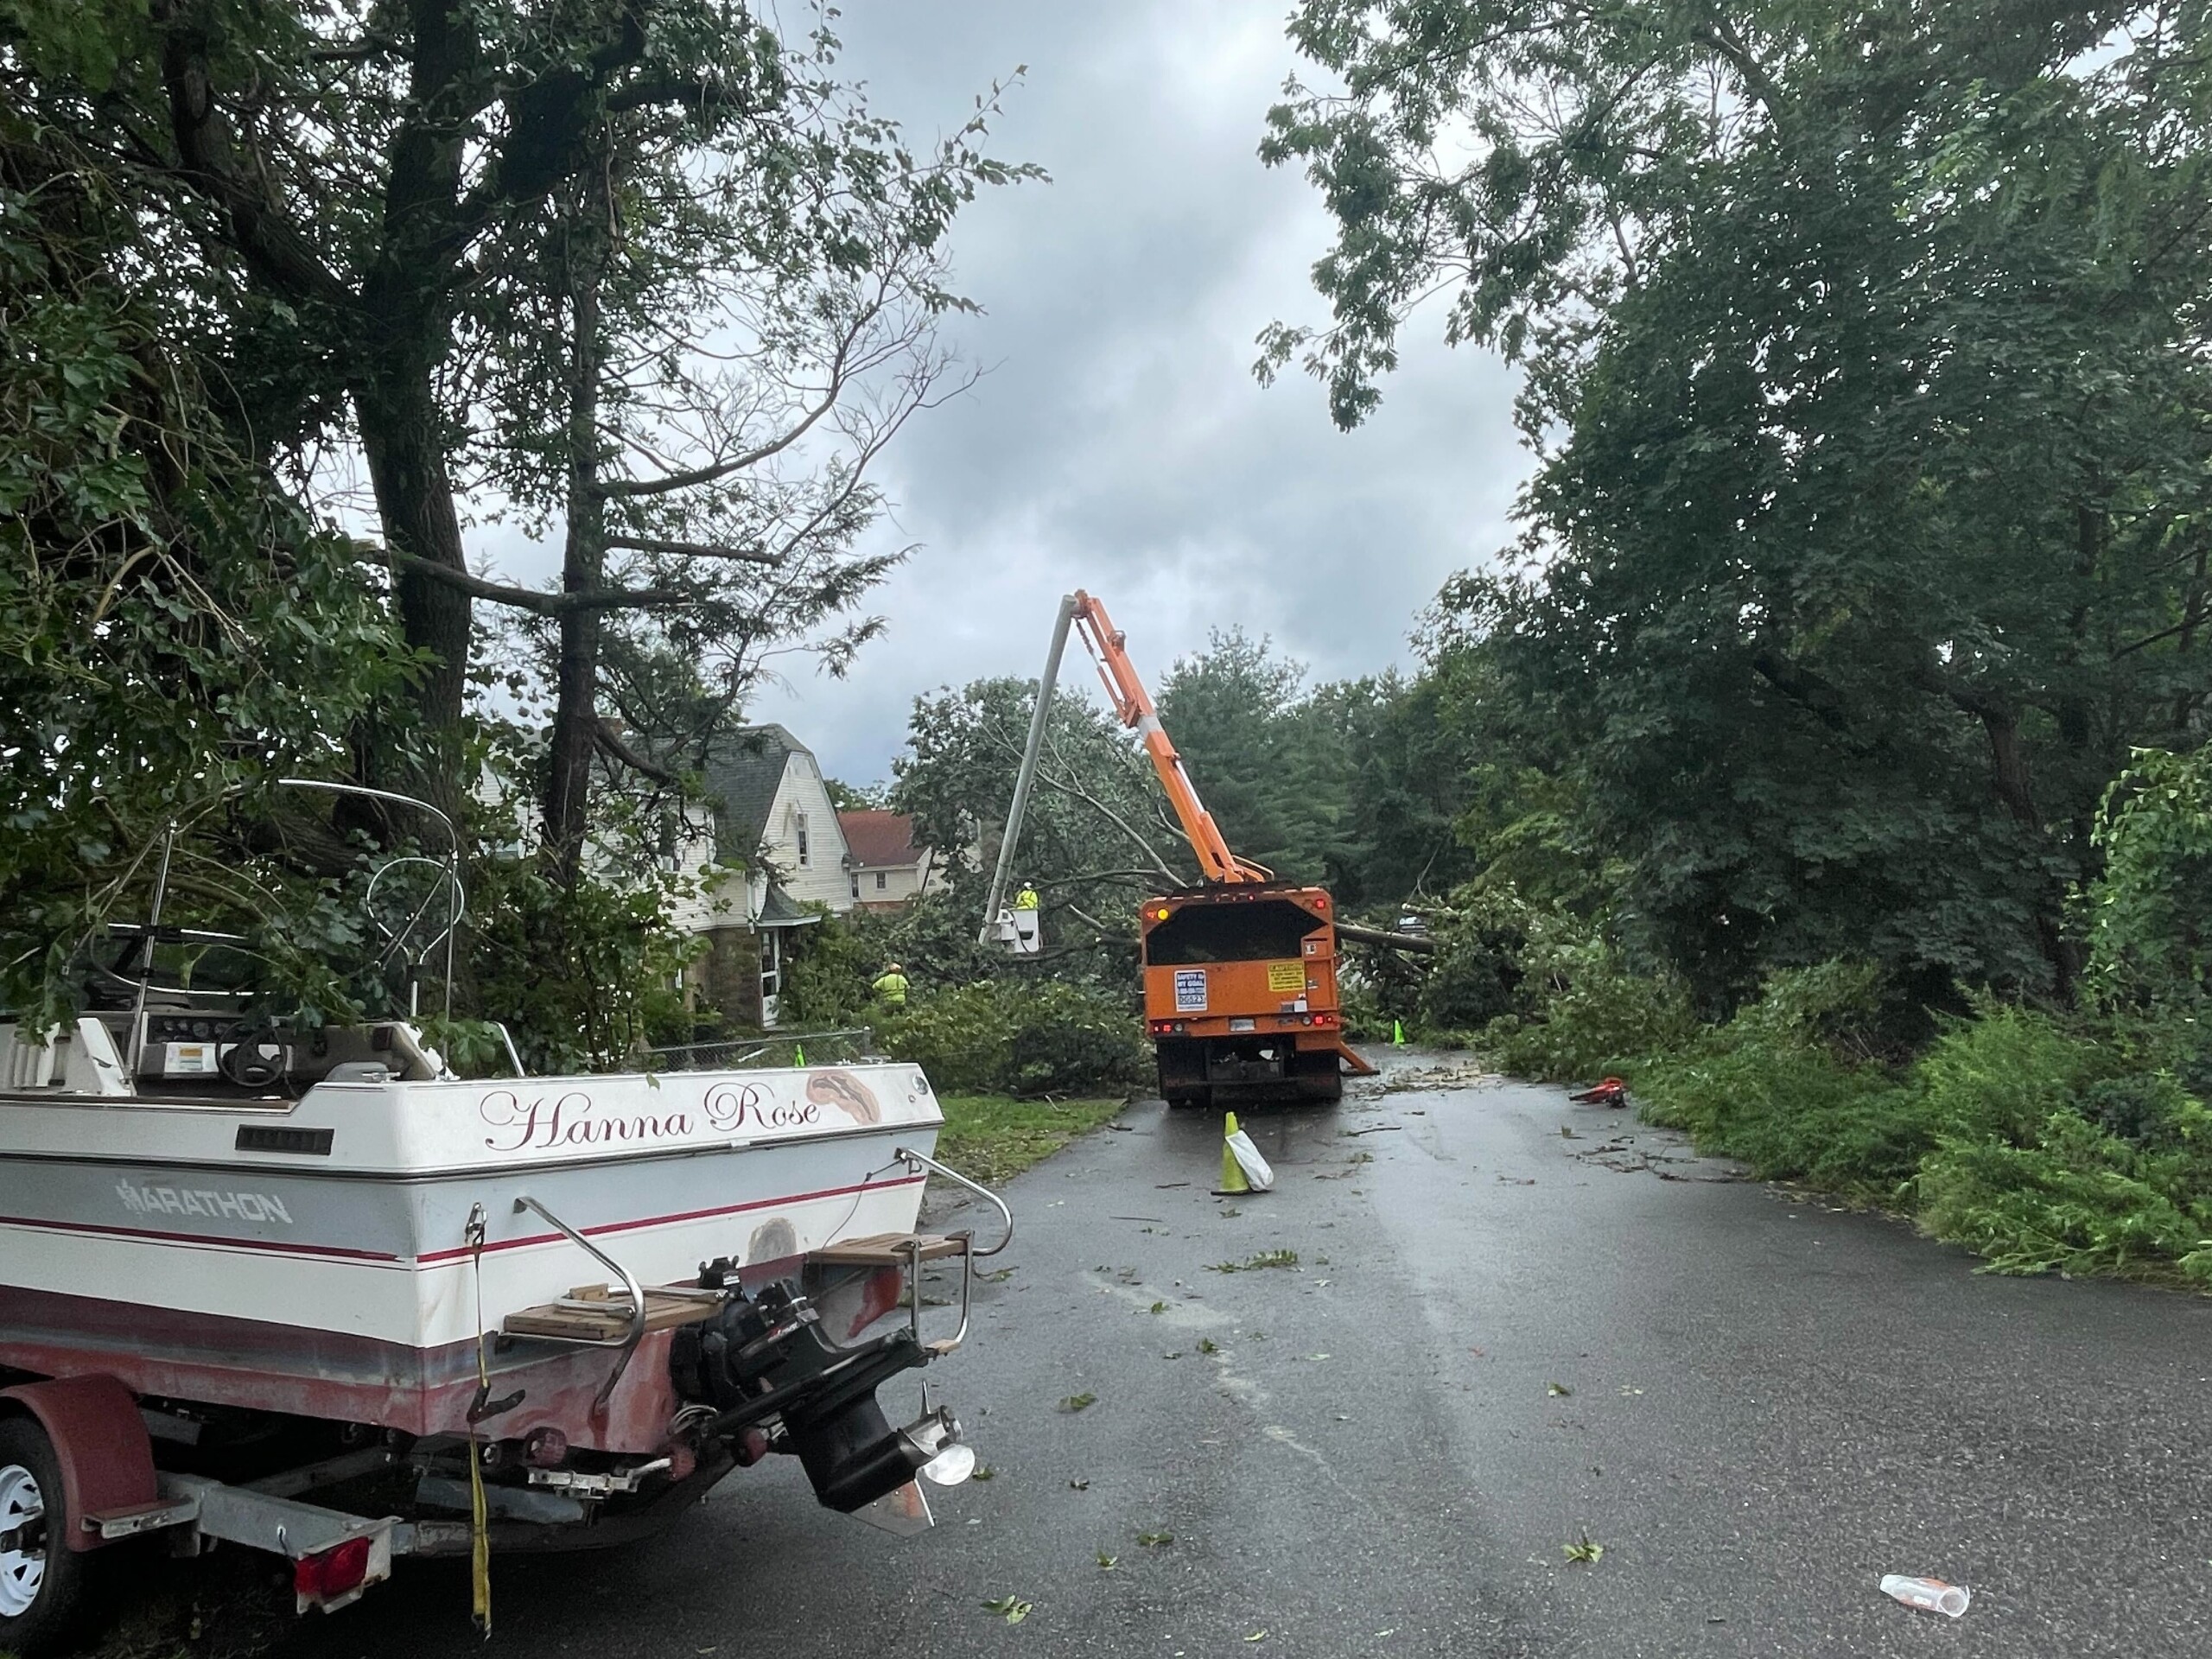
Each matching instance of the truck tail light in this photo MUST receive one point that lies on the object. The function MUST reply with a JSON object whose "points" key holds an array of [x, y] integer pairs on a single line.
{"points": [[331, 1575]]}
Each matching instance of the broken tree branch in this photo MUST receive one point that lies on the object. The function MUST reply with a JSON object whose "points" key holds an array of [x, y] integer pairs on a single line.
{"points": [[540, 604], [611, 743], [694, 550]]}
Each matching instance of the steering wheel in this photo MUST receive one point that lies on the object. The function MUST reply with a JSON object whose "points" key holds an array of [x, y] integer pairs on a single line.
{"points": [[243, 1063]]}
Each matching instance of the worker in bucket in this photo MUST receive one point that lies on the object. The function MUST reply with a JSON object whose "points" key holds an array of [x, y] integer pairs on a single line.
{"points": [[890, 988], [1027, 936]]}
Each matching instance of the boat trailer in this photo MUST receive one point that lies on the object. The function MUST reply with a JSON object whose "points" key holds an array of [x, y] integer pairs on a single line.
{"points": [[759, 1372]]}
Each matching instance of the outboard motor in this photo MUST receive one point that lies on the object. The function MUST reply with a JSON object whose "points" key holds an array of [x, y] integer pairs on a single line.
{"points": [[763, 1362]]}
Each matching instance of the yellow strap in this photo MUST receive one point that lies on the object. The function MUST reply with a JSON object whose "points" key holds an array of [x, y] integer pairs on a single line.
{"points": [[480, 1537]]}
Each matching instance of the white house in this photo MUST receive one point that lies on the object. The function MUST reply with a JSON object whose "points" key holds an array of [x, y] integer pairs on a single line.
{"points": [[769, 817]]}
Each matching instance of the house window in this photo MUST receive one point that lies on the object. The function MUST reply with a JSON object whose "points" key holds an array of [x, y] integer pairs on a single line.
{"points": [[799, 819], [880, 881], [772, 963], [856, 884]]}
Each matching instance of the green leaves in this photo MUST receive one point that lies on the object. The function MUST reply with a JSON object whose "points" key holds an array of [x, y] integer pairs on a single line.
{"points": [[1582, 1550], [1867, 534], [2149, 915], [1029, 1037], [174, 631], [1255, 1263], [1013, 1609], [1270, 761]]}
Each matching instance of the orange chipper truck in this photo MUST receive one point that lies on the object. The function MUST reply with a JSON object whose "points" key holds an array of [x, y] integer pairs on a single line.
{"points": [[1239, 972]]}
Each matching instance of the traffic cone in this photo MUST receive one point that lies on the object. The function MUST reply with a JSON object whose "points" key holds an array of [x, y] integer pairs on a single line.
{"points": [[1233, 1184], [1397, 1034], [1242, 1169]]}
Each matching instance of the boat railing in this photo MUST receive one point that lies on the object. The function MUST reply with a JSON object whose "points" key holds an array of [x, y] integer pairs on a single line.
{"points": [[770, 1050]]}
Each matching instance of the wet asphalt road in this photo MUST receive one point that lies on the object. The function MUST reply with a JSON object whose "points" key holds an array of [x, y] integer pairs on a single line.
{"points": [[1497, 1340]]}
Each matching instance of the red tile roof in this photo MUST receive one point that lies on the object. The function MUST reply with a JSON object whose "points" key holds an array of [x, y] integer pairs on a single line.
{"points": [[880, 840]]}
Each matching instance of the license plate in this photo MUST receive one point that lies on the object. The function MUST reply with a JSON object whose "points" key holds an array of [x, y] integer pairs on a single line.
{"points": [[1243, 1024]]}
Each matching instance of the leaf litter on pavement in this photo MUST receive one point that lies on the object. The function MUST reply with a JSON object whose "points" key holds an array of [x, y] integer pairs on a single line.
{"points": [[1256, 1263]]}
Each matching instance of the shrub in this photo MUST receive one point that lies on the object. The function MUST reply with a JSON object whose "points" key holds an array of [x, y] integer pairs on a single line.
{"points": [[2080, 1199], [1588, 1013], [1476, 973], [1783, 1087], [1794, 1112], [1012, 1037], [2149, 915], [828, 970], [2035, 1143], [2006, 1072], [580, 977]]}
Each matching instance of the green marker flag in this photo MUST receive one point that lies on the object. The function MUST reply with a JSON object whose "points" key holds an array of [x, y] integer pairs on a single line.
{"points": [[1397, 1034], [798, 1054]]}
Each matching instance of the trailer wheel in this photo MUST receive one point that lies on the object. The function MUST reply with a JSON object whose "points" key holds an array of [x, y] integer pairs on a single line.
{"points": [[42, 1581]]}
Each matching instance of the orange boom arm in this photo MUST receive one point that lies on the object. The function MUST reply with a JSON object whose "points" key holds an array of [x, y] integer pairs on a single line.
{"points": [[1107, 645]]}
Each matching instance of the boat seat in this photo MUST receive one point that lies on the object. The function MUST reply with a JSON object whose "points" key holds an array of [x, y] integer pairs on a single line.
{"points": [[597, 1313], [83, 1062], [889, 1249], [353, 1053]]}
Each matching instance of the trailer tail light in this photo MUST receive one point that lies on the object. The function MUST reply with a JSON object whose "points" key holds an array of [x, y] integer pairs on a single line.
{"points": [[1168, 1027], [320, 1579]]}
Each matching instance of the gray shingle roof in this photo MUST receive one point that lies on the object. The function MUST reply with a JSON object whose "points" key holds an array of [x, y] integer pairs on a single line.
{"points": [[780, 910], [742, 777]]}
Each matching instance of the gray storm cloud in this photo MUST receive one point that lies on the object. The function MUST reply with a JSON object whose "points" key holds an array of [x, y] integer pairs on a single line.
{"points": [[1118, 440]]}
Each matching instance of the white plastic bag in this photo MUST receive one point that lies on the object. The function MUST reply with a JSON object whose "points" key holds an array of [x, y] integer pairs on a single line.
{"points": [[1256, 1168]]}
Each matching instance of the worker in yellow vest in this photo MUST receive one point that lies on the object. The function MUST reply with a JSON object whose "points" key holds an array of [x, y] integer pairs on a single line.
{"points": [[890, 988], [1027, 936]]}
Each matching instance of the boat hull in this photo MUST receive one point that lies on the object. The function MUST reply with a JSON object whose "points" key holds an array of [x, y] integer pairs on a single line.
{"points": [[315, 1257]]}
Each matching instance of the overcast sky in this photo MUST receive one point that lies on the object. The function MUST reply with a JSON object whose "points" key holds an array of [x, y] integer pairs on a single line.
{"points": [[1119, 441]]}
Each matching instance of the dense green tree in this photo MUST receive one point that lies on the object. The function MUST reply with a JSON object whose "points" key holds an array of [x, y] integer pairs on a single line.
{"points": [[1863, 360], [1264, 756], [175, 632], [379, 194], [1096, 836], [651, 269]]}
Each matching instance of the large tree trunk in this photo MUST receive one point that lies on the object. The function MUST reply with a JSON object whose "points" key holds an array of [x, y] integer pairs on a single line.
{"points": [[407, 468], [575, 713], [405, 307], [2009, 777]]}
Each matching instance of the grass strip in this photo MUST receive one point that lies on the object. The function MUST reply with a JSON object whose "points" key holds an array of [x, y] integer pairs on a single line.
{"points": [[993, 1138]]}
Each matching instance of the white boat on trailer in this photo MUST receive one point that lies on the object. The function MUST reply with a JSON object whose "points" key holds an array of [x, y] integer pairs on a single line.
{"points": [[308, 1291]]}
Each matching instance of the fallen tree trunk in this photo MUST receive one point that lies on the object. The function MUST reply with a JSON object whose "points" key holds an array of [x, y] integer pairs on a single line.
{"points": [[1376, 936]]}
